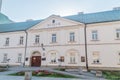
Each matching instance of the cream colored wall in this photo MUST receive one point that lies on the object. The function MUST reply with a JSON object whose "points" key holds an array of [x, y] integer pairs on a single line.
{"points": [[107, 45], [13, 49]]}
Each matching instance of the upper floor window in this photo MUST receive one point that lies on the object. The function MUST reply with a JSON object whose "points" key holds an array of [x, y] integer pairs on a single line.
{"points": [[118, 33], [72, 37], [37, 39], [7, 41], [95, 35], [5, 58], [21, 40], [53, 38], [19, 58], [96, 57]]}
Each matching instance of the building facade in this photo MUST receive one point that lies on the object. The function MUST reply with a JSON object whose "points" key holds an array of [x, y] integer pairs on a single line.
{"points": [[84, 40]]}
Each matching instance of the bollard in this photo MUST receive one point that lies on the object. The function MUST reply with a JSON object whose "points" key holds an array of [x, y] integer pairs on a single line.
{"points": [[28, 75]]}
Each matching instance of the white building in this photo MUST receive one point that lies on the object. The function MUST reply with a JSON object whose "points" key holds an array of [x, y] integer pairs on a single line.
{"points": [[83, 40]]}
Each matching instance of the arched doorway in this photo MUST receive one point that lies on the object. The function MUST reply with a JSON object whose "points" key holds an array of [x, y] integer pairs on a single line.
{"points": [[36, 59]]}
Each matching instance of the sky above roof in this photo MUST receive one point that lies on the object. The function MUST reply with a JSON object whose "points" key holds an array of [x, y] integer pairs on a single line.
{"points": [[21, 10]]}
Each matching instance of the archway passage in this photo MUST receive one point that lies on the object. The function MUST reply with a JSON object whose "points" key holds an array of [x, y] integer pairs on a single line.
{"points": [[36, 59]]}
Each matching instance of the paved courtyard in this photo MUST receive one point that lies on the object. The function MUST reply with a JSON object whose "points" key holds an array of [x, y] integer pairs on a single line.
{"points": [[5, 76]]}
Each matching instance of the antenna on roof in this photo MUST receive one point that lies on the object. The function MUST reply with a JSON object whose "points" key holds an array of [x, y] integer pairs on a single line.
{"points": [[0, 5]]}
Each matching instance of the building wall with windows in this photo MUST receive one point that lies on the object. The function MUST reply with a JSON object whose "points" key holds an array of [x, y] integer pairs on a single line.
{"points": [[103, 51], [68, 41]]}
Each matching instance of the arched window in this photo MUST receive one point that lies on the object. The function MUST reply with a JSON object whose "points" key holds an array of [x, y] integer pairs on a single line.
{"points": [[53, 58]]}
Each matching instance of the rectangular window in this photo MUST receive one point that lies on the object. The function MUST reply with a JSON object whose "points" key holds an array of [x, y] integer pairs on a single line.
{"points": [[19, 58], [7, 42], [118, 33], [119, 57], [37, 39], [62, 58], [82, 59], [21, 40], [72, 37], [95, 35], [53, 57], [96, 57], [5, 58], [53, 38]]}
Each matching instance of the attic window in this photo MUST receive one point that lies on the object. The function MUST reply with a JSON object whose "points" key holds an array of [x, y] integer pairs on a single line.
{"points": [[53, 21]]}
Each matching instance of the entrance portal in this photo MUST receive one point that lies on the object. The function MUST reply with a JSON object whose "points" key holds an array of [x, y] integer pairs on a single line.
{"points": [[36, 59]]}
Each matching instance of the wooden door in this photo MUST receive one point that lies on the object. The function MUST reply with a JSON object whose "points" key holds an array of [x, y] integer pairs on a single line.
{"points": [[36, 61]]}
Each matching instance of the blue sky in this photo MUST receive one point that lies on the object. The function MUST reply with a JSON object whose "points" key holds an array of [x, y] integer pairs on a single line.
{"points": [[21, 10]]}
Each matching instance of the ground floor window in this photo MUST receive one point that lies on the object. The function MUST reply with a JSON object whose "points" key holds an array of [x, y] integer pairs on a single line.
{"points": [[5, 58], [53, 58], [19, 58], [96, 57], [119, 57], [72, 58]]}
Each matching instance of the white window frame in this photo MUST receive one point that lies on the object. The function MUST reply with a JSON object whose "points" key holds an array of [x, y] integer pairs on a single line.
{"points": [[54, 38], [72, 58], [118, 33], [19, 58], [94, 35], [5, 58], [72, 36], [21, 40], [7, 41], [37, 39], [96, 57], [53, 58]]}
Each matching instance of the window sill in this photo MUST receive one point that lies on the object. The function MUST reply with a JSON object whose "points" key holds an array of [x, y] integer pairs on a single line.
{"points": [[97, 63], [95, 40], [72, 63], [53, 42], [3, 62], [71, 41], [117, 39], [53, 62]]}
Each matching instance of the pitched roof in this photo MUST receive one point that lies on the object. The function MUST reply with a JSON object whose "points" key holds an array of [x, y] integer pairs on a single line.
{"points": [[106, 16], [20, 26], [4, 19]]}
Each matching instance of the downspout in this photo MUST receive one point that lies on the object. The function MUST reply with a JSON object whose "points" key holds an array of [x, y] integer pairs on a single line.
{"points": [[25, 48], [86, 55]]}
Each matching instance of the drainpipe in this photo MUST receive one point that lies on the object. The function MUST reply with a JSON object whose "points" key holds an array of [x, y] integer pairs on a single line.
{"points": [[25, 48], [86, 56]]}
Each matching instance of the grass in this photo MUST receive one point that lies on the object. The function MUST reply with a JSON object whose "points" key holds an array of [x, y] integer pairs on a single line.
{"points": [[43, 74], [111, 75]]}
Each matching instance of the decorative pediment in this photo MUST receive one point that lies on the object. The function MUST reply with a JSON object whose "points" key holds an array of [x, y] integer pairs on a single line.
{"points": [[53, 22]]}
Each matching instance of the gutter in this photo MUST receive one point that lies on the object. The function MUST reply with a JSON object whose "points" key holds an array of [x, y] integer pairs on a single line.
{"points": [[25, 48], [86, 55]]}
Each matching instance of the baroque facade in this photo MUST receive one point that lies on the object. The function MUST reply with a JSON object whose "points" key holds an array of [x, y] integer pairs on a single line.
{"points": [[84, 40]]}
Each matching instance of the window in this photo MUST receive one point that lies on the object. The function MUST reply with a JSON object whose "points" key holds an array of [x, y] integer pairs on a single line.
{"points": [[94, 35], [119, 57], [7, 42], [53, 57], [62, 58], [37, 39], [118, 33], [19, 58], [53, 38], [5, 58], [96, 57], [72, 58], [82, 59], [21, 40], [72, 37]]}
